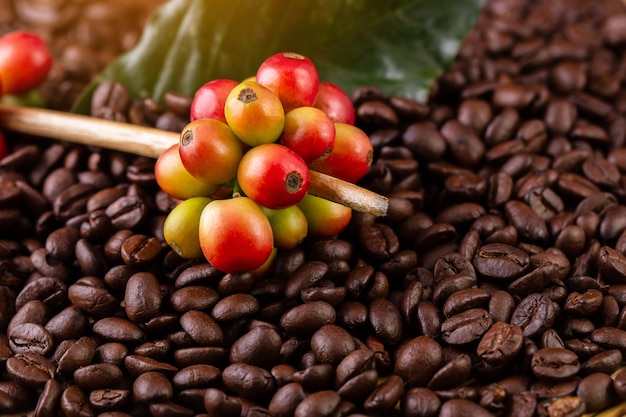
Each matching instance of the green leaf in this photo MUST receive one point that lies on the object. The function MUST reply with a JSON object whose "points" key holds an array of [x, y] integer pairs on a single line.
{"points": [[398, 45]]}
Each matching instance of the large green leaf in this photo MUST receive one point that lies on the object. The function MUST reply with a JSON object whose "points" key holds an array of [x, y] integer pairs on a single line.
{"points": [[398, 45]]}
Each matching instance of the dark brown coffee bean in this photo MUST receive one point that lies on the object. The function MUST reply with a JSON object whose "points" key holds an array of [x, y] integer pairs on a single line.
{"points": [[194, 297], [137, 365], [202, 328], [500, 344], [50, 290], [461, 408], [606, 362], [98, 376], [465, 299], [466, 327], [420, 402], [49, 400], [554, 364], [385, 396], [109, 399], [196, 376], [534, 314], [152, 386], [318, 404], [30, 337], [93, 299], [464, 145], [286, 399], [305, 319], [305, 276], [235, 306], [386, 321], [217, 403], [424, 141], [528, 224], [142, 297], [452, 374], [126, 212], [259, 347], [248, 381], [378, 241], [330, 344], [417, 360], [79, 354], [140, 250], [117, 329], [500, 262], [597, 392], [74, 402], [30, 369]]}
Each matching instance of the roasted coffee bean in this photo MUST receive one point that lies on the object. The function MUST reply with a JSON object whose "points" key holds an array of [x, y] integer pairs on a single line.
{"points": [[452, 374], [142, 297], [117, 329], [386, 321], [30, 337], [534, 314], [259, 347], [286, 399], [248, 381], [597, 392], [93, 299], [202, 328], [500, 344], [30, 369], [331, 343], [98, 376], [500, 262], [466, 327], [140, 250], [48, 403], [554, 364], [420, 402], [318, 404], [235, 306], [462, 407], [34, 311], [606, 362], [305, 319], [74, 402], [80, 353], [137, 365], [152, 386], [109, 399], [50, 290], [417, 360]]}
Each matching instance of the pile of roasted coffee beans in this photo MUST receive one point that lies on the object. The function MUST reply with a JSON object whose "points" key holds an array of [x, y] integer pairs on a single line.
{"points": [[496, 285]]}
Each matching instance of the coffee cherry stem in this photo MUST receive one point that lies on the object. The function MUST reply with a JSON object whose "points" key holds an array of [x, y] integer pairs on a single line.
{"points": [[151, 142]]}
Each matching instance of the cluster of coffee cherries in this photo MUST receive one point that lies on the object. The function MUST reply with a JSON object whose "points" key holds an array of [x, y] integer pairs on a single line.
{"points": [[25, 62], [241, 168]]}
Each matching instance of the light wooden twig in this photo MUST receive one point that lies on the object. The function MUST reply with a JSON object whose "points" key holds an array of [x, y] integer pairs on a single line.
{"points": [[152, 142]]}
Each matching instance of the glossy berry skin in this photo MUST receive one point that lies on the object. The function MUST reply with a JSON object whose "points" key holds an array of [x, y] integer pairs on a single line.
{"points": [[325, 218], [235, 235], [309, 132], [254, 113], [181, 227], [336, 103], [293, 77], [289, 226], [25, 61], [351, 157], [210, 151], [175, 180], [273, 176], [208, 101]]}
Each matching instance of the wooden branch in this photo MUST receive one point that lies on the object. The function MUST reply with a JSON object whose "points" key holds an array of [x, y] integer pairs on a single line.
{"points": [[152, 142]]}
